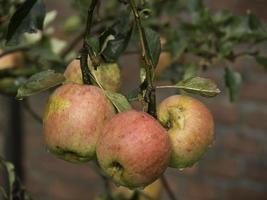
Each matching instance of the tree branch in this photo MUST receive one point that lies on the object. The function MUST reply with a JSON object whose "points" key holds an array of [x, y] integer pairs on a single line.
{"points": [[87, 76], [150, 96]]}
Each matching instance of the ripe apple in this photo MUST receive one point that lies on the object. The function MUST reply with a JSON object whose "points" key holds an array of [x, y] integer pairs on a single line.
{"points": [[153, 191], [190, 127], [11, 60], [73, 119], [133, 149], [108, 74]]}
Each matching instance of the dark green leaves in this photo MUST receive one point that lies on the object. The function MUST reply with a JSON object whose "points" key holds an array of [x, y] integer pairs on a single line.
{"points": [[153, 45], [262, 61], [233, 81], [16, 190], [29, 17], [40, 82], [11, 176], [197, 85], [119, 101], [115, 39]]}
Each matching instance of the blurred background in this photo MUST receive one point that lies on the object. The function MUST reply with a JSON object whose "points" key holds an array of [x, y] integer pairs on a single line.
{"points": [[235, 168]]}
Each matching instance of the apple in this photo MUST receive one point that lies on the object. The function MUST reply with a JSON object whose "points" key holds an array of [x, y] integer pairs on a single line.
{"points": [[190, 127], [133, 149], [11, 60], [73, 120], [152, 191], [108, 74]]}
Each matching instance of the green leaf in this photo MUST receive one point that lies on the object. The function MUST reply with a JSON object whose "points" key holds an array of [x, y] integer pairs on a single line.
{"points": [[29, 17], [197, 85], [115, 39], [40, 82], [72, 24], [3, 192], [11, 175], [233, 81], [93, 42], [195, 5], [262, 61], [254, 23], [119, 101], [154, 47]]}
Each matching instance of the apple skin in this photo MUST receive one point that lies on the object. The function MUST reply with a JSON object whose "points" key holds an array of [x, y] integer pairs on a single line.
{"points": [[73, 121], [190, 127], [11, 60], [108, 74], [133, 149], [153, 191]]}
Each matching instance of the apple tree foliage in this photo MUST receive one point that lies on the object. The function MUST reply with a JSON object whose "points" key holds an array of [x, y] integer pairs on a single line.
{"points": [[117, 27]]}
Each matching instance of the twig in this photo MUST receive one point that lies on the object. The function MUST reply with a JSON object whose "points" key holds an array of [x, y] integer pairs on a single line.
{"points": [[86, 74], [150, 96], [167, 188]]}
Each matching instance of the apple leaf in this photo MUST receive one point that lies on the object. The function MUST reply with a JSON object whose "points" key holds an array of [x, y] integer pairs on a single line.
{"points": [[3, 193], [153, 45], [119, 101], [197, 85], [40, 82], [29, 17], [11, 174], [262, 61], [115, 39], [233, 81]]}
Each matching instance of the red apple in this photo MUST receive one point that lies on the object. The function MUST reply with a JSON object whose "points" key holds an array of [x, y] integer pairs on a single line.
{"points": [[133, 149], [73, 120], [11, 60], [108, 74], [190, 127]]}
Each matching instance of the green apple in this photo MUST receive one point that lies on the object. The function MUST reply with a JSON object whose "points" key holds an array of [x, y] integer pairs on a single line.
{"points": [[108, 74], [190, 128], [73, 120], [133, 149]]}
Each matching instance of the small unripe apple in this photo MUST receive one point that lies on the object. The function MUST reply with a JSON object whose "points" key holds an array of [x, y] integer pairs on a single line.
{"points": [[73, 120], [152, 191], [133, 149], [11, 60], [108, 74], [190, 127]]}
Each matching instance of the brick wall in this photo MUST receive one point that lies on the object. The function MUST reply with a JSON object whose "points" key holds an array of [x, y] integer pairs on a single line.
{"points": [[235, 168]]}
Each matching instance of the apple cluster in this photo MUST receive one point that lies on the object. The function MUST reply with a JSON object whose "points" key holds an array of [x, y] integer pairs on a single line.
{"points": [[132, 148]]}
